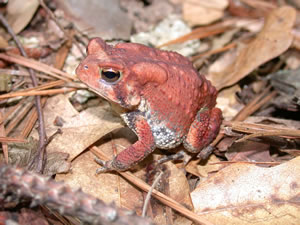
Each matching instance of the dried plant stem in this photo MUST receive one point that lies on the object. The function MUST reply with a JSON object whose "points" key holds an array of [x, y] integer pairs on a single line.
{"points": [[16, 119], [30, 122], [148, 197], [13, 140], [259, 130], [255, 104], [38, 164], [214, 51], [38, 66], [37, 88], [39, 92], [250, 108], [4, 143]]}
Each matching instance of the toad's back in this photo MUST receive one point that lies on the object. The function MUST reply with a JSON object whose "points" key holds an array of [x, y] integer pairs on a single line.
{"points": [[176, 101]]}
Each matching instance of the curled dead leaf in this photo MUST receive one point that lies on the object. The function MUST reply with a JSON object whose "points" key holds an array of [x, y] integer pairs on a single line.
{"points": [[203, 12], [275, 38], [20, 13], [247, 194]]}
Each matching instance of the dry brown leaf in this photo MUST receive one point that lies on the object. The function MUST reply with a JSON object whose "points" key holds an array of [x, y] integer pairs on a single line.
{"points": [[177, 188], [19, 13], [249, 151], [274, 39], [100, 18], [228, 102], [225, 61], [248, 194], [80, 130], [111, 187], [83, 130], [3, 42], [274, 122], [196, 168], [108, 186], [201, 12]]}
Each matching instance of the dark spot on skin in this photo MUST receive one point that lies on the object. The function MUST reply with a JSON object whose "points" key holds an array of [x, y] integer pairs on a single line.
{"points": [[85, 67], [119, 95], [130, 117]]}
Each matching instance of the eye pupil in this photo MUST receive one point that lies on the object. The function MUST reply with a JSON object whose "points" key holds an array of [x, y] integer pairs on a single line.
{"points": [[110, 75]]}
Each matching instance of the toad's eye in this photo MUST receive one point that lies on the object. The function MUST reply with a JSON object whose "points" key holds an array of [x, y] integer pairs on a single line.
{"points": [[110, 75]]}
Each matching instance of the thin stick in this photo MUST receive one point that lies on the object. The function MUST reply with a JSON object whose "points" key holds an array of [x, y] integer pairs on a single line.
{"points": [[37, 88], [148, 196], [214, 51], [12, 110], [42, 132], [250, 108], [39, 92], [16, 119], [12, 140], [19, 73], [4, 143], [30, 63], [32, 117]]}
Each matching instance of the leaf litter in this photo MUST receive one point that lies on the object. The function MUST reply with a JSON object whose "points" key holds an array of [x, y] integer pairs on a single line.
{"points": [[252, 176]]}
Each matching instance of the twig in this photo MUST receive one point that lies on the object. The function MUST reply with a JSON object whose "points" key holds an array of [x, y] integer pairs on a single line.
{"points": [[30, 121], [42, 132], [18, 117], [12, 110], [3, 142], [250, 108], [37, 88], [148, 197], [13, 72], [39, 92], [12, 140], [214, 51], [30, 63]]}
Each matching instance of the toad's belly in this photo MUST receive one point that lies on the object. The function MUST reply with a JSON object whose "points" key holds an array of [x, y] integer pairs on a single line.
{"points": [[164, 137]]}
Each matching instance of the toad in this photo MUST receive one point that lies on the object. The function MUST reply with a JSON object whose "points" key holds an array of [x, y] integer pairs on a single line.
{"points": [[165, 101]]}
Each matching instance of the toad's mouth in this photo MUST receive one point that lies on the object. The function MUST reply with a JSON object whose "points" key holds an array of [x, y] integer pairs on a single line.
{"points": [[101, 94]]}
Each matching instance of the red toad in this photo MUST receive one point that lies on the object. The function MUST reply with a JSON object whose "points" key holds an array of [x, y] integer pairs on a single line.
{"points": [[166, 101]]}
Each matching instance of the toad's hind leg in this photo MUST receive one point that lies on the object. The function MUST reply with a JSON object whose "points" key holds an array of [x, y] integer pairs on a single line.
{"points": [[203, 130]]}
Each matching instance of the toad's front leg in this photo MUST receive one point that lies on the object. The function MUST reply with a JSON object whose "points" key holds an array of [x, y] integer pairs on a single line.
{"points": [[136, 152]]}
